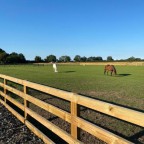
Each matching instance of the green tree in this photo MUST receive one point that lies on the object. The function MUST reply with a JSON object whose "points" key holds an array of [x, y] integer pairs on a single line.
{"points": [[50, 58], [91, 59], [1, 50], [3, 57], [77, 58], [21, 58], [98, 58], [109, 58], [83, 59], [15, 58], [138, 59], [65, 59], [131, 58], [38, 59]]}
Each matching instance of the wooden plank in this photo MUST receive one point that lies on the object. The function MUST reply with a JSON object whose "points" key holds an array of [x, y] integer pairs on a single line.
{"points": [[61, 133], [122, 113], [15, 102], [38, 133], [1, 84], [59, 93], [16, 114], [15, 91], [99, 132], [50, 108], [49, 90], [16, 80], [5, 82], [2, 102], [2, 94]]}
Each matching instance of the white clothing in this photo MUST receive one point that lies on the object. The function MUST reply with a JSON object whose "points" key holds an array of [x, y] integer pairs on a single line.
{"points": [[55, 67]]}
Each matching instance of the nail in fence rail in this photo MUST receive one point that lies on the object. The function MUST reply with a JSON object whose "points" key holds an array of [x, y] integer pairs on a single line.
{"points": [[73, 118]]}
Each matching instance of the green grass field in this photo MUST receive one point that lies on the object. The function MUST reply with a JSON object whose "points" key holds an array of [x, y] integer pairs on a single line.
{"points": [[127, 88]]}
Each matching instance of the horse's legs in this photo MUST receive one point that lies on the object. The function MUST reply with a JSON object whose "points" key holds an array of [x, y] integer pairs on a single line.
{"points": [[104, 71], [111, 73]]}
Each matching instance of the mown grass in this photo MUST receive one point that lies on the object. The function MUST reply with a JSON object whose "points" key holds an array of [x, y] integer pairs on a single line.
{"points": [[126, 89]]}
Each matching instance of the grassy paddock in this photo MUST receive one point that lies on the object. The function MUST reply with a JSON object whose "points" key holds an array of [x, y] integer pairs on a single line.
{"points": [[126, 89]]}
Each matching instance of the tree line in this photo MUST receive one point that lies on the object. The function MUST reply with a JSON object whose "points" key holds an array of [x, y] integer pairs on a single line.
{"points": [[15, 58], [78, 58], [11, 58]]}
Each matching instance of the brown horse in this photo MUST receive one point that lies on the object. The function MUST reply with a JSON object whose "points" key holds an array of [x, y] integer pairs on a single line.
{"points": [[110, 68]]}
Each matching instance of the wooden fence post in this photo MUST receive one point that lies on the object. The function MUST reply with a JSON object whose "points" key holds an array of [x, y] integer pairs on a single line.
{"points": [[25, 102], [5, 82], [74, 114]]}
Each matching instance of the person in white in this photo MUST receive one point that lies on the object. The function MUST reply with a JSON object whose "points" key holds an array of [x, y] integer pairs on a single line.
{"points": [[55, 67]]}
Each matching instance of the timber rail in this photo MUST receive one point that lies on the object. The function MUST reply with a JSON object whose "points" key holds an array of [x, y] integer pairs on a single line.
{"points": [[71, 117]]}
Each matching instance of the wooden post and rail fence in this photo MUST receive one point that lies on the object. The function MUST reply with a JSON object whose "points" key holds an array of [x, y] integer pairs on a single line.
{"points": [[71, 117]]}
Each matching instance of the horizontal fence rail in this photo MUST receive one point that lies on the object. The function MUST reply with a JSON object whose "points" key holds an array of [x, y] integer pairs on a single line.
{"points": [[71, 117]]}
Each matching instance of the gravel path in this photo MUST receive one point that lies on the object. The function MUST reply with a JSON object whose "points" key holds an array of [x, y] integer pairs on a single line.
{"points": [[12, 131]]}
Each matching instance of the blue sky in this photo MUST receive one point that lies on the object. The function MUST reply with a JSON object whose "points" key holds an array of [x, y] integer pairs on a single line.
{"points": [[70, 27]]}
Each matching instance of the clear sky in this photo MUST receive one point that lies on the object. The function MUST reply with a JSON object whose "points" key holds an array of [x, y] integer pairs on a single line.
{"points": [[73, 27]]}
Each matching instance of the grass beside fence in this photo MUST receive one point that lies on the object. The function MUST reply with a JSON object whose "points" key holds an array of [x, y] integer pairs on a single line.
{"points": [[127, 88]]}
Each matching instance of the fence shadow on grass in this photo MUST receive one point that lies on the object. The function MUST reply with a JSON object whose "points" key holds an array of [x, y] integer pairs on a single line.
{"points": [[137, 136]]}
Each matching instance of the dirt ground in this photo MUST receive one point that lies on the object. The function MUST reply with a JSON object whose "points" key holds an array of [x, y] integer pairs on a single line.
{"points": [[12, 131]]}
